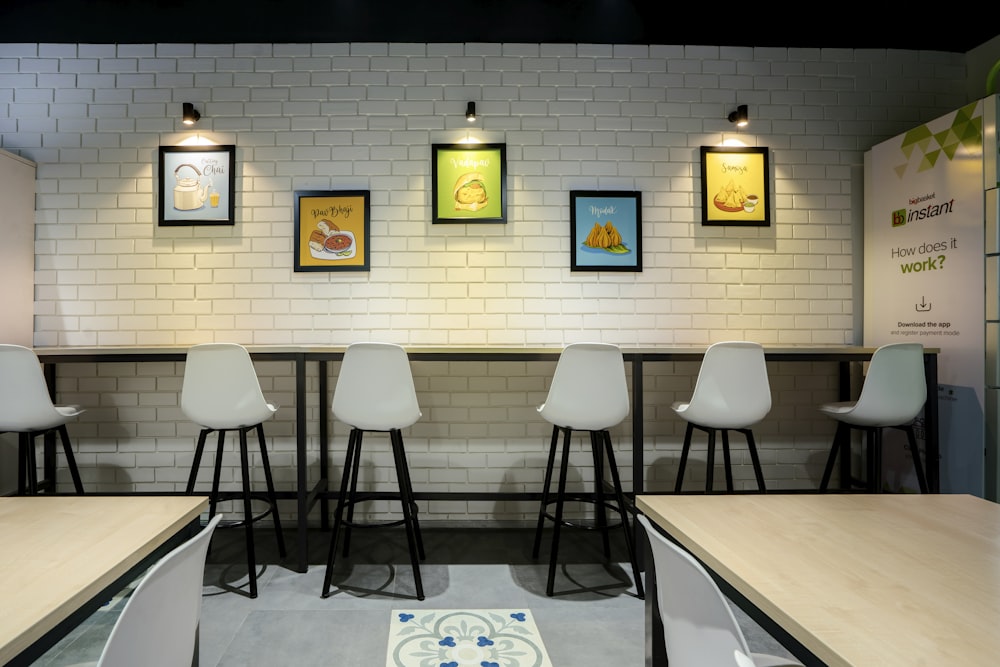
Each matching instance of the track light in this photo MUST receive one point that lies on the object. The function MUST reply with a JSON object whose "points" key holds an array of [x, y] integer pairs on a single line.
{"points": [[191, 115], [470, 112], [739, 116]]}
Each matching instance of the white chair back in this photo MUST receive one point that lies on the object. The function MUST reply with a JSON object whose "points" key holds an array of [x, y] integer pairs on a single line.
{"points": [[25, 404], [699, 627], [158, 626], [220, 388], [375, 390], [732, 390], [895, 389], [588, 391]]}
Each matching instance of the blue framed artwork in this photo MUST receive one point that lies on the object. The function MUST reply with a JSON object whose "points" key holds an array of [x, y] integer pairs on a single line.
{"points": [[197, 185], [605, 230]]}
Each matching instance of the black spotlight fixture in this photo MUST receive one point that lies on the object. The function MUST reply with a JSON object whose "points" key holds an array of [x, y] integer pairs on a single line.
{"points": [[191, 115], [739, 116], [470, 112]]}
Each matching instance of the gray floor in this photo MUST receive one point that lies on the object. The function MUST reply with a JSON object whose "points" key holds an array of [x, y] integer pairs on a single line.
{"points": [[594, 620]]}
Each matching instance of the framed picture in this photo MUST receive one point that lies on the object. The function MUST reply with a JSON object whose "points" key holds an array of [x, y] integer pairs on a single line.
{"points": [[605, 230], [332, 230], [734, 186], [197, 185], [469, 182]]}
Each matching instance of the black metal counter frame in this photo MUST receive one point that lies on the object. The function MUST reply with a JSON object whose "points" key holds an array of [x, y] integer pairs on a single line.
{"points": [[307, 497]]}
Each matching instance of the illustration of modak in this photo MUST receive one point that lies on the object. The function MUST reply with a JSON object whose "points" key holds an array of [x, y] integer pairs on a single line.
{"points": [[606, 238]]}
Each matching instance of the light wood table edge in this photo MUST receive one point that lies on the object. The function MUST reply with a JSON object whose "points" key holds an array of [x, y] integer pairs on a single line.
{"points": [[56, 616], [817, 647]]}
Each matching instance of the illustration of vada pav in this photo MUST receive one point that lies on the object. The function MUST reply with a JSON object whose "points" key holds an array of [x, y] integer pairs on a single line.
{"points": [[470, 192]]}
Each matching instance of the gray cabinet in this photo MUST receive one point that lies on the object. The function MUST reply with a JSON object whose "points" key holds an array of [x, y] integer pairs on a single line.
{"points": [[17, 277], [17, 252]]}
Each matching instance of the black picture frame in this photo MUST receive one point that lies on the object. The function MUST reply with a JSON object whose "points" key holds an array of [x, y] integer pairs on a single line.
{"points": [[734, 186], [605, 230], [469, 183], [332, 230], [197, 185]]}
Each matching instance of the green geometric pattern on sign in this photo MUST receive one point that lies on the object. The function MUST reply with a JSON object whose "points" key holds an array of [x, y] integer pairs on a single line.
{"points": [[923, 149]]}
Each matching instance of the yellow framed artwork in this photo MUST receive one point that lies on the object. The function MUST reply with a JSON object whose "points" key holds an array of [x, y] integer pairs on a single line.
{"points": [[332, 230], [734, 183]]}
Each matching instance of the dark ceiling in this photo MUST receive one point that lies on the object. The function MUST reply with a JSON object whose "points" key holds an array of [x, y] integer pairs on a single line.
{"points": [[807, 24]]}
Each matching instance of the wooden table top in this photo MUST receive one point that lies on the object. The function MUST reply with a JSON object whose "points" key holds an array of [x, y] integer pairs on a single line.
{"points": [[58, 552], [857, 579]]}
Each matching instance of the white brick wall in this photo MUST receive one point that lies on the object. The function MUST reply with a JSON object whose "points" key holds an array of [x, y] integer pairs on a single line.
{"points": [[363, 116]]}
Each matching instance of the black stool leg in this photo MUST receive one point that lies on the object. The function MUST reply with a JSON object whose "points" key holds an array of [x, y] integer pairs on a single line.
{"points": [[545, 492], [213, 499], [560, 498], [32, 466], [623, 510], [601, 515], [24, 443], [406, 500], [835, 449], [873, 437], [727, 460], [352, 497], [684, 457], [70, 460], [846, 464], [196, 463], [710, 470], [272, 497], [915, 453], [414, 510], [757, 470], [248, 513], [338, 514]]}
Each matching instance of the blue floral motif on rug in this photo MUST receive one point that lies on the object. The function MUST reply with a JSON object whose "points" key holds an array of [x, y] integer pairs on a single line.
{"points": [[465, 638]]}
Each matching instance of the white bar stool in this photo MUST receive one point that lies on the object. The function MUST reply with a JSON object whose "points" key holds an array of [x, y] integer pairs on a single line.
{"points": [[221, 393], [731, 393], [26, 409], [893, 394], [588, 393], [375, 393]]}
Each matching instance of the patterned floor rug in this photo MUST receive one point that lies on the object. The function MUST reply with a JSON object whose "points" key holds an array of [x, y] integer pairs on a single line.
{"points": [[465, 638]]}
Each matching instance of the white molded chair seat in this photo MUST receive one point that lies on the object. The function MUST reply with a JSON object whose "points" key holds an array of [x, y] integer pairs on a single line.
{"points": [[26, 409], [375, 393], [893, 394], [158, 627], [732, 393], [221, 392], [761, 660], [588, 392], [699, 627]]}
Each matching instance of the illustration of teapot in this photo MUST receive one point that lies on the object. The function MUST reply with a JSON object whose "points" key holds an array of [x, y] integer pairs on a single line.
{"points": [[188, 193]]}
